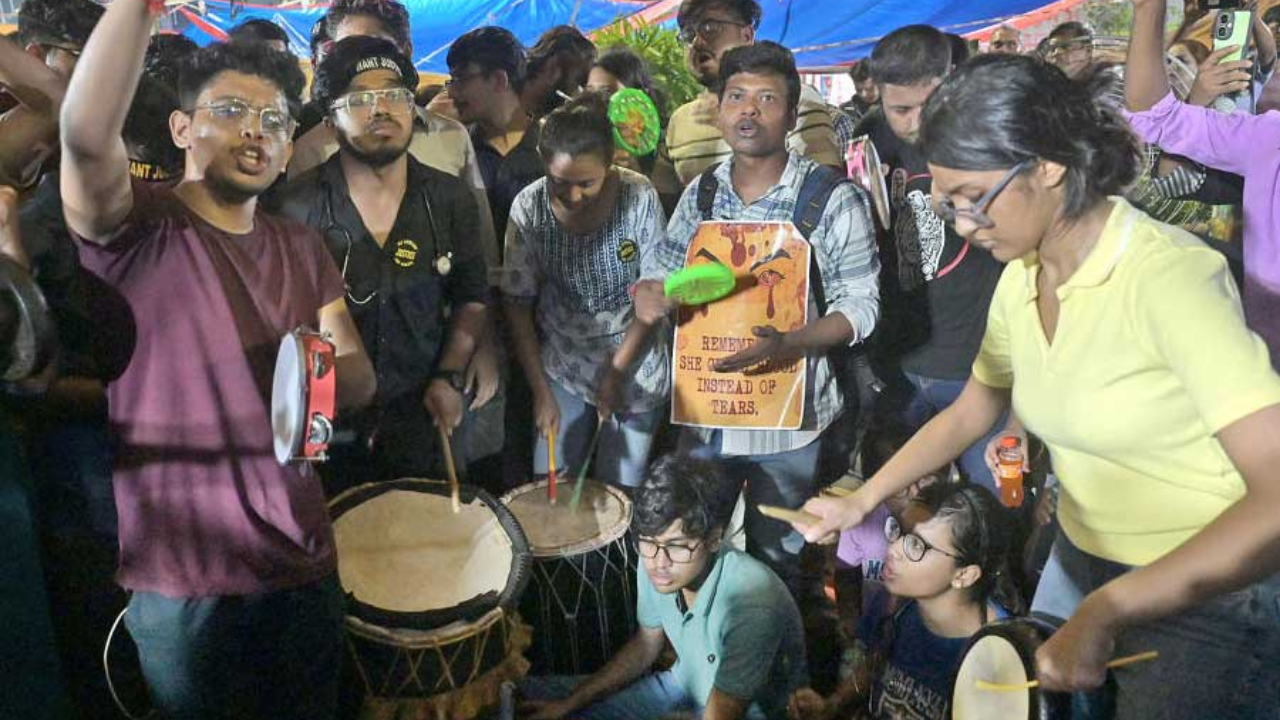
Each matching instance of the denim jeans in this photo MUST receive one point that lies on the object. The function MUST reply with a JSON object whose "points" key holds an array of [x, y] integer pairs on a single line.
{"points": [[931, 397], [623, 451], [270, 656], [1220, 660], [652, 697], [787, 479]]}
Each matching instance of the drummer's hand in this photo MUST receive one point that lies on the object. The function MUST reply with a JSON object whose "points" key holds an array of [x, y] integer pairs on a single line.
{"points": [[546, 412], [835, 514], [806, 704], [608, 394], [770, 344], [444, 403], [1076, 656], [483, 374], [651, 302], [545, 709]]}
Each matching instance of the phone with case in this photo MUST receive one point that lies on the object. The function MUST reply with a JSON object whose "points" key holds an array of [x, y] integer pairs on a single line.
{"points": [[1231, 27]]}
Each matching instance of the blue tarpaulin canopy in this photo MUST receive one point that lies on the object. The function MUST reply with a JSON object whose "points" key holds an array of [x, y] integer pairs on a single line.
{"points": [[821, 32]]}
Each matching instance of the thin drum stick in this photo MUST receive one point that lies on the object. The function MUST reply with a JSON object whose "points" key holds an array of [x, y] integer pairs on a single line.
{"points": [[1118, 662], [791, 516], [455, 495], [551, 467]]}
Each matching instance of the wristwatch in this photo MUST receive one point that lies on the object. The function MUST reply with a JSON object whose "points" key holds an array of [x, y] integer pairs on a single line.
{"points": [[454, 378]]}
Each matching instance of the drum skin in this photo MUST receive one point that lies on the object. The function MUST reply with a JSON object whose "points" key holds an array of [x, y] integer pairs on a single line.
{"points": [[468, 610], [1024, 635]]}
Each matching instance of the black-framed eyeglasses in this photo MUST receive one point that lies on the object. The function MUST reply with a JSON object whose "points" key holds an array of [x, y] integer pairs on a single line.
{"points": [[273, 121], [913, 546], [456, 80], [709, 29], [675, 552], [976, 213], [1002, 44], [398, 100]]}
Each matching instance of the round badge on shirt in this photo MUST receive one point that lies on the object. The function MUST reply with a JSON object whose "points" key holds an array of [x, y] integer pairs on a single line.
{"points": [[628, 251], [406, 253]]}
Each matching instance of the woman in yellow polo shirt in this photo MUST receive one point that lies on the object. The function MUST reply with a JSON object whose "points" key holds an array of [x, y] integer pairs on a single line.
{"points": [[1121, 343]]}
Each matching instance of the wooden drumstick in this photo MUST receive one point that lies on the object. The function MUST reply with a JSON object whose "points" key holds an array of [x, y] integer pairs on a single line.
{"points": [[837, 491], [551, 467], [791, 516], [1118, 662], [455, 495]]}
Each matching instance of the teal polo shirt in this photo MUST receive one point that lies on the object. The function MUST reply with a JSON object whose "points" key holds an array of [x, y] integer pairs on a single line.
{"points": [[742, 636]]}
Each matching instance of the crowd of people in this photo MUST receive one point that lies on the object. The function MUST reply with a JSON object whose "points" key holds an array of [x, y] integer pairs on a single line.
{"points": [[1079, 254]]}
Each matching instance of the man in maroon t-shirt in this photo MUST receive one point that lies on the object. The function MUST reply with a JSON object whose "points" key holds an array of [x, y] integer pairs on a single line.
{"points": [[235, 609]]}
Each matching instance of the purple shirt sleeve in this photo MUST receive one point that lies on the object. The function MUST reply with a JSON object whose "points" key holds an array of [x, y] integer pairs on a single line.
{"points": [[1223, 141]]}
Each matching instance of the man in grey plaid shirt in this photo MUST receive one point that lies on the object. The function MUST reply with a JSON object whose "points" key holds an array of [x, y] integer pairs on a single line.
{"points": [[758, 100]]}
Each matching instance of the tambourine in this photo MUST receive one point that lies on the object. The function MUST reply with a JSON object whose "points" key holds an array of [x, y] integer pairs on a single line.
{"points": [[863, 163], [27, 337], [303, 397]]}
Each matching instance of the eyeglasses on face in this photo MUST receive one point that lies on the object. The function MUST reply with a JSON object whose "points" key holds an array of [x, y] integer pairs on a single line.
{"points": [[976, 213], [273, 121], [675, 552], [913, 546], [709, 29], [462, 78], [1070, 47], [398, 100]]}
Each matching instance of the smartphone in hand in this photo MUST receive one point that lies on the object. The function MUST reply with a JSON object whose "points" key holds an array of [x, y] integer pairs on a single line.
{"points": [[1231, 27]]}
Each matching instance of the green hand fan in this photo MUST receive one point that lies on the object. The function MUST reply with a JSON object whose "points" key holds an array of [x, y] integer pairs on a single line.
{"points": [[636, 127], [700, 284]]}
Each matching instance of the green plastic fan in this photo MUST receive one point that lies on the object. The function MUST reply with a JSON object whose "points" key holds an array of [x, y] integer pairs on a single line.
{"points": [[636, 127], [700, 284]]}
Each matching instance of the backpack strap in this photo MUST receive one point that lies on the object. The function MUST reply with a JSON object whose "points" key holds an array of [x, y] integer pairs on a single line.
{"points": [[811, 203], [708, 185]]}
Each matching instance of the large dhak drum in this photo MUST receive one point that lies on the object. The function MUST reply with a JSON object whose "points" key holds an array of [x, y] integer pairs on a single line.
{"points": [[303, 397], [430, 628], [1005, 653], [863, 164], [27, 336], [581, 602]]}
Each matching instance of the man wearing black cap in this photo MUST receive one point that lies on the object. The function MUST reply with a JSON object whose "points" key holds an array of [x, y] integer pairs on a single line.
{"points": [[405, 238]]}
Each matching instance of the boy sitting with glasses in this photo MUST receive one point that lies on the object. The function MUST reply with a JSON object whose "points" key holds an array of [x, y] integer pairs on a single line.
{"points": [[734, 627]]}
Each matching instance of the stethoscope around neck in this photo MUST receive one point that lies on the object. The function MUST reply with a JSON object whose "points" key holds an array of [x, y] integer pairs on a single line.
{"points": [[442, 264]]}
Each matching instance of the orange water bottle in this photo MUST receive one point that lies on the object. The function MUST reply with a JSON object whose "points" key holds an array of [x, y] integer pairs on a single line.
{"points": [[1009, 468]]}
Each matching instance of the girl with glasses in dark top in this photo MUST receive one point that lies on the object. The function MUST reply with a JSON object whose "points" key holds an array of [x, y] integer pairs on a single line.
{"points": [[944, 578]]}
